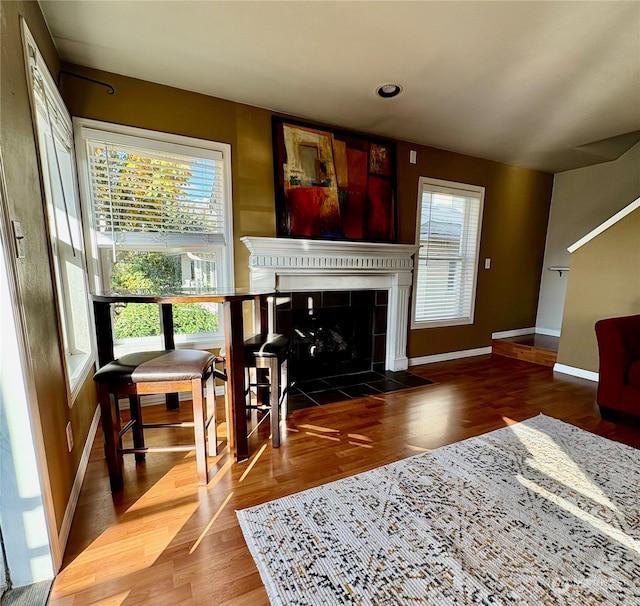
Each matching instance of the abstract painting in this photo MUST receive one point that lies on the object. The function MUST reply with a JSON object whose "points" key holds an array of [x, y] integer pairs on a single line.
{"points": [[333, 184]]}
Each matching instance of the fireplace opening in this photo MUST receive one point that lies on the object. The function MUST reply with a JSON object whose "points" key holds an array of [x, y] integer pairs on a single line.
{"points": [[334, 332], [331, 341]]}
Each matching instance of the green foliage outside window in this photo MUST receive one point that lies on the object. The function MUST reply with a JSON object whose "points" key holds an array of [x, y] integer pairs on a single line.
{"points": [[155, 273]]}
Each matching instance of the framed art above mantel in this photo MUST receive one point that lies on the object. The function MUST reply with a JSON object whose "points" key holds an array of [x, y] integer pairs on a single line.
{"points": [[333, 184]]}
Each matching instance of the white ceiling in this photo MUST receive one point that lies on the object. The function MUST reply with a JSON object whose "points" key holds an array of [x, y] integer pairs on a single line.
{"points": [[552, 85]]}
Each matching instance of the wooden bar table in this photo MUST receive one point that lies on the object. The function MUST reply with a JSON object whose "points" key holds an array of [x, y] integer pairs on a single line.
{"points": [[231, 301]]}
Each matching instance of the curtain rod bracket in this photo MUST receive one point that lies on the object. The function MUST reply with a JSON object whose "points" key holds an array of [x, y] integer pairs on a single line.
{"points": [[110, 89]]}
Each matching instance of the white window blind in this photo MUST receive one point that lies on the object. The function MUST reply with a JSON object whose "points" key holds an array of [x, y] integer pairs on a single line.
{"points": [[150, 193], [448, 233], [157, 210]]}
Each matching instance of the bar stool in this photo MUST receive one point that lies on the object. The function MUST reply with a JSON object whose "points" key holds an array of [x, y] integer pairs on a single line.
{"points": [[157, 372], [268, 354]]}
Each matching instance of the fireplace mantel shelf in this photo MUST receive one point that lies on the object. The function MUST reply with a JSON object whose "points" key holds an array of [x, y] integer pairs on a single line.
{"points": [[288, 264]]}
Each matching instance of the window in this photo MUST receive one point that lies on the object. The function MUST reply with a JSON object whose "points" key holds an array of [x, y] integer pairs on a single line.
{"points": [[54, 134], [448, 232], [158, 213]]}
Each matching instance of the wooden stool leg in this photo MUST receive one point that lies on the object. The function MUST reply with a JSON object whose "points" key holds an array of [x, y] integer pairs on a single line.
{"points": [[212, 429], [199, 431], [274, 400], [111, 429], [137, 430]]}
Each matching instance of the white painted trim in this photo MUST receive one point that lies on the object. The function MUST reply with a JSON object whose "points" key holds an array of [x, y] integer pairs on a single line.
{"points": [[606, 225], [451, 355], [160, 139], [295, 265], [455, 188], [518, 332], [576, 372], [547, 331], [72, 503]]}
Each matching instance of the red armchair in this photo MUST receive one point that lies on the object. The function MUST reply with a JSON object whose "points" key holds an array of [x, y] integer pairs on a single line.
{"points": [[619, 351]]}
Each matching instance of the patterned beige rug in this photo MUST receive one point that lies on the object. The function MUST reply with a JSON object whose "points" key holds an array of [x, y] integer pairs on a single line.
{"points": [[538, 513]]}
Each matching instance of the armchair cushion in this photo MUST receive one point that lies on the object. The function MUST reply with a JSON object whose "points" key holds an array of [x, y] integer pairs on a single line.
{"points": [[619, 354]]}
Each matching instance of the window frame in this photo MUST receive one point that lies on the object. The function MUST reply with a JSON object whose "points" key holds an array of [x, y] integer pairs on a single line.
{"points": [[77, 362], [430, 184], [166, 142]]}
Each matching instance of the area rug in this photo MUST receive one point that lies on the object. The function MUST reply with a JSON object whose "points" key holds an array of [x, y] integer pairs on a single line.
{"points": [[537, 513]]}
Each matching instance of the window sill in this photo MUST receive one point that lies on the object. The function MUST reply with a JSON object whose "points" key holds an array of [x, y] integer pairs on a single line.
{"points": [[78, 369], [441, 324]]}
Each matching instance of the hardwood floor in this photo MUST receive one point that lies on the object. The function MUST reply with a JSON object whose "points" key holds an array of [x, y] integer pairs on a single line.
{"points": [[164, 540]]}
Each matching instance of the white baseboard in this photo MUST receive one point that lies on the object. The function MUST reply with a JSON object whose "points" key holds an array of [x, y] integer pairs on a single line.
{"points": [[547, 331], [576, 372], [518, 332], [451, 355], [72, 503]]}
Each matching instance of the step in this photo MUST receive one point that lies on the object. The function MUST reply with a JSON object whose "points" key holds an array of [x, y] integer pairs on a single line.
{"points": [[537, 349]]}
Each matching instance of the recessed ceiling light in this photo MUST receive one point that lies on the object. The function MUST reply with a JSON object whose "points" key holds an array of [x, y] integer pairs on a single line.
{"points": [[389, 90]]}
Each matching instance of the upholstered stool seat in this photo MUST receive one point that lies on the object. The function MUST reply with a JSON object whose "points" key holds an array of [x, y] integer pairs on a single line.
{"points": [[268, 354], [157, 372]]}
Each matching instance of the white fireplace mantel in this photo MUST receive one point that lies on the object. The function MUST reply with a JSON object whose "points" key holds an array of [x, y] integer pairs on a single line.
{"points": [[287, 265]]}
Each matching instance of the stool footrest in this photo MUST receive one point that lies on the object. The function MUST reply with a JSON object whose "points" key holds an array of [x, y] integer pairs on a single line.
{"points": [[160, 425], [181, 448]]}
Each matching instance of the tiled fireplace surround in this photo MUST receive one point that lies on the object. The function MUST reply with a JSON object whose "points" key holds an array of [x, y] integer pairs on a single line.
{"points": [[303, 266]]}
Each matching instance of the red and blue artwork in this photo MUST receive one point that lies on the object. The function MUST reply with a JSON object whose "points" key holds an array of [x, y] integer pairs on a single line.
{"points": [[333, 184]]}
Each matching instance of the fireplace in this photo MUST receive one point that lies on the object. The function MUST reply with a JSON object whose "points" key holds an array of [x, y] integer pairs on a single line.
{"points": [[316, 268], [334, 332]]}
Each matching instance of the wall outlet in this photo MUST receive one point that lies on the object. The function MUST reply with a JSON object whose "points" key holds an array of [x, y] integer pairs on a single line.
{"points": [[69, 436]]}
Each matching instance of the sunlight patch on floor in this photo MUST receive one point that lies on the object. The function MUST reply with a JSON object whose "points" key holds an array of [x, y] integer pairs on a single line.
{"points": [[551, 460], [614, 533], [255, 460], [418, 448], [359, 436], [318, 428], [216, 515], [318, 435]]}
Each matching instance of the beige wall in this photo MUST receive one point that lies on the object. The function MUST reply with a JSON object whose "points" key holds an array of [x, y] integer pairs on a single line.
{"points": [[582, 199], [25, 204], [604, 282], [516, 205]]}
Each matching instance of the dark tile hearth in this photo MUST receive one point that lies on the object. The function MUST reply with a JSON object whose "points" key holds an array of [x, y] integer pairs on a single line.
{"points": [[317, 392]]}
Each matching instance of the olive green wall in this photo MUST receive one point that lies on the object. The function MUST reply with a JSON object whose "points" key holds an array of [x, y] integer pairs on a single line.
{"points": [[25, 204], [604, 282], [247, 129], [514, 224], [516, 204]]}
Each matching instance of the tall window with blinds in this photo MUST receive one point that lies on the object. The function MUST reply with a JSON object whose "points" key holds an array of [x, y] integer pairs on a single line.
{"points": [[448, 233], [157, 207], [54, 135]]}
